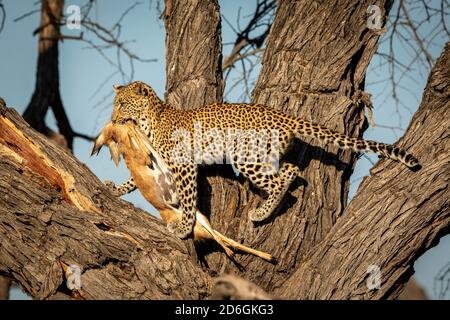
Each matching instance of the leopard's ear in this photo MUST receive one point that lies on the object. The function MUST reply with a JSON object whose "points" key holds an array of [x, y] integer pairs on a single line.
{"points": [[139, 88], [117, 88]]}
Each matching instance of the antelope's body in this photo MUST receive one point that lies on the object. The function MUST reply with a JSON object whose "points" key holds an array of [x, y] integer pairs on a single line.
{"points": [[155, 181]]}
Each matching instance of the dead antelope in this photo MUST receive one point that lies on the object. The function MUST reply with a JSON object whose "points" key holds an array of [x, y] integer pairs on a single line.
{"points": [[155, 181]]}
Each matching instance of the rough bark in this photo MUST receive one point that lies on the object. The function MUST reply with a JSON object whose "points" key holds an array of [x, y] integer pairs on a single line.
{"points": [[395, 216], [194, 77], [5, 285], [314, 66], [55, 213], [46, 93], [193, 53]]}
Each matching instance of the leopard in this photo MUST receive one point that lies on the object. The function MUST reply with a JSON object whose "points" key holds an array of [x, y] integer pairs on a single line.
{"points": [[230, 132]]}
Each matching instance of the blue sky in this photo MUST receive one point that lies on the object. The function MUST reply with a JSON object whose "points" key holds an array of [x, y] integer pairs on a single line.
{"points": [[83, 70]]}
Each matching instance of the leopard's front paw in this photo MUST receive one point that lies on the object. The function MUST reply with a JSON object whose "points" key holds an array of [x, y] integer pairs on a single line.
{"points": [[179, 229], [258, 215], [111, 186]]}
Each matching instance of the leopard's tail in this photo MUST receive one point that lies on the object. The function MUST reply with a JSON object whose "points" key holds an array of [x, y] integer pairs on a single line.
{"points": [[310, 129]]}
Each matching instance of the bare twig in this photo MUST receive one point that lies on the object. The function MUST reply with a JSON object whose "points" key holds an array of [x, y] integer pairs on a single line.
{"points": [[419, 40], [27, 14], [3, 16], [104, 38], [248, 44], [442, 282]]}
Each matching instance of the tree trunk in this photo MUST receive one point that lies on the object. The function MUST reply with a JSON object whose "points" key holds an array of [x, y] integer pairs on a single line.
{"points": [[46, 93]]}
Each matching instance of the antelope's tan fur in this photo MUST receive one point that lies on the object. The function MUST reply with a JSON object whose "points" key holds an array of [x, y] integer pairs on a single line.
{"points": [[154, 180]]}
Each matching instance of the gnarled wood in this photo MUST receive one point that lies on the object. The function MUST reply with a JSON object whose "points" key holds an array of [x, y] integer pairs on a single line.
{"points": [[55, 213]]}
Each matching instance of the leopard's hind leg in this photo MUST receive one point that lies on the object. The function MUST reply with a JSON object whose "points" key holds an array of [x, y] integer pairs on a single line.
{"points": [[274, 183]]}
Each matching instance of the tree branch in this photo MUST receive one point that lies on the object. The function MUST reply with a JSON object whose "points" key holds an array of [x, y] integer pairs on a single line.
{"points": [[396, 215], [54, 213]]}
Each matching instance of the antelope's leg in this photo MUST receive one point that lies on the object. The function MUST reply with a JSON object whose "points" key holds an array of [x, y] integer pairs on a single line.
{"points": [[226, 242]]}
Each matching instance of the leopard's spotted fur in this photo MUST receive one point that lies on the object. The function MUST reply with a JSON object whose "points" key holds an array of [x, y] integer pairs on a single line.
{"points": [[139, 103]]}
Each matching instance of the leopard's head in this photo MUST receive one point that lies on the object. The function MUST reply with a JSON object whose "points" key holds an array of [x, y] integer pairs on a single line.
{"points": [[132, 103]]}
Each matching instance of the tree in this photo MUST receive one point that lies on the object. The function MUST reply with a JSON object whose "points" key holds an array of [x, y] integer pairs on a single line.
{"points": [[47, 93], [5, 284], [55, 213]]}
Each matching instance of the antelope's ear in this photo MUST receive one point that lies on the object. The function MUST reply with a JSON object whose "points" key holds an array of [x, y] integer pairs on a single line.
{"points": [[117, 88]]}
